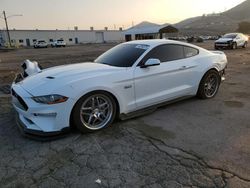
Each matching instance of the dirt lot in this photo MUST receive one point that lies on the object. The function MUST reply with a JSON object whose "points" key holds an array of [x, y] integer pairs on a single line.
{"points": [[193, 143]]}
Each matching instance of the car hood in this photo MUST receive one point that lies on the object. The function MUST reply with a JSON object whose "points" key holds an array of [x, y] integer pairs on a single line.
{"points": [[55, 77], [224, 40]]}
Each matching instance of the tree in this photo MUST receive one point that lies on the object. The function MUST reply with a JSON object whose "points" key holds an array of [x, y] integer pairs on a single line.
{"points": [[244, 27]]}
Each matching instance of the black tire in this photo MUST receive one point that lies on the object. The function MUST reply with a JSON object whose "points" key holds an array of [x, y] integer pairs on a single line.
{"points": [[203, 92], [234, 46], [79, 118], [245, 45]]}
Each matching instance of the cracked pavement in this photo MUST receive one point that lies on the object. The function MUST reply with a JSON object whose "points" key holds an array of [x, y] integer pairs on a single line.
{"points": [[120, 156], [189, 144]]}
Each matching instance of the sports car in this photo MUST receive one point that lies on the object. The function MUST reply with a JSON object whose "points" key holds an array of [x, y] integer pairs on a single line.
{"points": [[232, 41], [125, 81]]}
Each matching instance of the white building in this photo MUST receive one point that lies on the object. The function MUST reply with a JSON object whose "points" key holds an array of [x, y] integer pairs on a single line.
{"points": [[147, 30], [71, 37]]}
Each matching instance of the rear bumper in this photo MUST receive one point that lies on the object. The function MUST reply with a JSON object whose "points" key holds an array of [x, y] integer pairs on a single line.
{"points": [[37, 134], [222, 75]]}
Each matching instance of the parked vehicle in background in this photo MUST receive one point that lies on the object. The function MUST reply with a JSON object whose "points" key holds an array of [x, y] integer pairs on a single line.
{"points": [[41, 44], [231, 41], [58, 43], [122, 82]]}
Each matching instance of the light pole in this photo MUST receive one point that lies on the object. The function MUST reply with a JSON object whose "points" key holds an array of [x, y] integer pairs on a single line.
{"points": [[6, 23]]}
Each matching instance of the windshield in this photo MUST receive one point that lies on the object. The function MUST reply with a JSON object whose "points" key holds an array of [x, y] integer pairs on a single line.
{"points": [[230, 36], [123, 55]]}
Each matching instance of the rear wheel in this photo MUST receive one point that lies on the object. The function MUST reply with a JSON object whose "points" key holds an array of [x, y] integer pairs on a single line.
{"points": [[245, 45], [209, 85], [94, 112]]}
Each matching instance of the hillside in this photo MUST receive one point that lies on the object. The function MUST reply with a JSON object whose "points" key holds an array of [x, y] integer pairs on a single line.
{"points": [[216, 23], [240, 12]]}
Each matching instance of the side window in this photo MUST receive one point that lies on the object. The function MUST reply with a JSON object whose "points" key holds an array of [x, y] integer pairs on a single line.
{"points": [[190, 52], [164, 53]]}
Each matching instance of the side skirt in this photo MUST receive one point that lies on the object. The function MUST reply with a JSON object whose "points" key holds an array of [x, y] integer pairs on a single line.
{"points": [[150, 109]]}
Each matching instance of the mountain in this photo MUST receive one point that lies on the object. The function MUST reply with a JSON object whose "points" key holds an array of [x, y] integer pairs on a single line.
{"points": [[240, 12], [146, 24], [215, 24], [186, 22]]}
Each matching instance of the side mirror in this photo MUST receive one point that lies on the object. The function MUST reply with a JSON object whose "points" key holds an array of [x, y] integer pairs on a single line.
{"points": [[151, 62]]}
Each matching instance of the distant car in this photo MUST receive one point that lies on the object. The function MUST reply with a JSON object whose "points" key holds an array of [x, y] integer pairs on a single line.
{"points": [[231, 41], [58, 43], [124, 81], [40, 44]]}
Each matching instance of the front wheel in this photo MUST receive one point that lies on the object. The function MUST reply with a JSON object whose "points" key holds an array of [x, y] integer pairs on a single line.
{"points": [[94, 112], [209, 85], [234, 46]]}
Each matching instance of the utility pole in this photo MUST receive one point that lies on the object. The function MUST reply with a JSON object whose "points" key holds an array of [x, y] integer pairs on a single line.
{"points": [[6, 23], [7, 28]]}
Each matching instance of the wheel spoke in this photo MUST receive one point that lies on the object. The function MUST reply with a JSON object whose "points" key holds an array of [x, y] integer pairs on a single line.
{"points": [[85, 113], [90, 119], [93, 103], [87, 108], [213, 81], [103, 104], [98, 103], [100, 118], [95, 121]]}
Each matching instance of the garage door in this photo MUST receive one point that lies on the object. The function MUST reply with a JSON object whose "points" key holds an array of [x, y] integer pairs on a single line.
{"points": [[99, 37]]}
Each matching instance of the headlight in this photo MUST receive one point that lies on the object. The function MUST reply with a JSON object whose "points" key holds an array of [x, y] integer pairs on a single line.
{"points": [[230, 41], [50, 99]]}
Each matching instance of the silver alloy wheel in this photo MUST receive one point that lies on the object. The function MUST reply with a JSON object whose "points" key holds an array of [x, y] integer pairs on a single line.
{"points": [[96, 111], [211, 85]]}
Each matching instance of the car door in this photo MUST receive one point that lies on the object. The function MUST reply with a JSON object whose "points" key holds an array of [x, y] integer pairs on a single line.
{"points": [[240, 40], [173, 78]]}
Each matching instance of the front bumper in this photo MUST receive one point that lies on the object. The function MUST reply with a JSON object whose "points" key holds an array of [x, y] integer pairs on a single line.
{"points": [[223, 45], [39, 135], [43, 122]]}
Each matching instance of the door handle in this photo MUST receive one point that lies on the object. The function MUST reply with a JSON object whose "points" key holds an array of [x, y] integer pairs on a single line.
{"points": [[183, 68]]}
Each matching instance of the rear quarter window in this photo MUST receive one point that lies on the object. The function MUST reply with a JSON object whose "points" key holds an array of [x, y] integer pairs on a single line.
{"points": [[190, 52]]}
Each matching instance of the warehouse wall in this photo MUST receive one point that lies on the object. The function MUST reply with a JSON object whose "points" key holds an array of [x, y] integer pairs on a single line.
{"points": [[19, 37]]}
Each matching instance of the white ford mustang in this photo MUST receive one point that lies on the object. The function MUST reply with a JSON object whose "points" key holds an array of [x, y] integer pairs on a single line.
{"points": [[123, 82]]}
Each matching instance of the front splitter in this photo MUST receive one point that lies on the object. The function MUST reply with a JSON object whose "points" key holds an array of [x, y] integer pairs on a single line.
{"points": [[40, 135]]}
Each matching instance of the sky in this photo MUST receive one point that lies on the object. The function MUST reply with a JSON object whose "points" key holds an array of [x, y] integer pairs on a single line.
{"points": [[65, 14]]}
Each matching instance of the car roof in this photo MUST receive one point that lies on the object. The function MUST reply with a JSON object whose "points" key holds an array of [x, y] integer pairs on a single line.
{"points": [[156, 42], [232, 33]]}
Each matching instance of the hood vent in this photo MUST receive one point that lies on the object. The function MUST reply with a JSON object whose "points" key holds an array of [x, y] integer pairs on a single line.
{"points": [[50, 77]]}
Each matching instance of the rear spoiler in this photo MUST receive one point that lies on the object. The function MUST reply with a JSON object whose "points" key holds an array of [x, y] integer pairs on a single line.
{"points": [[218, 52]]}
